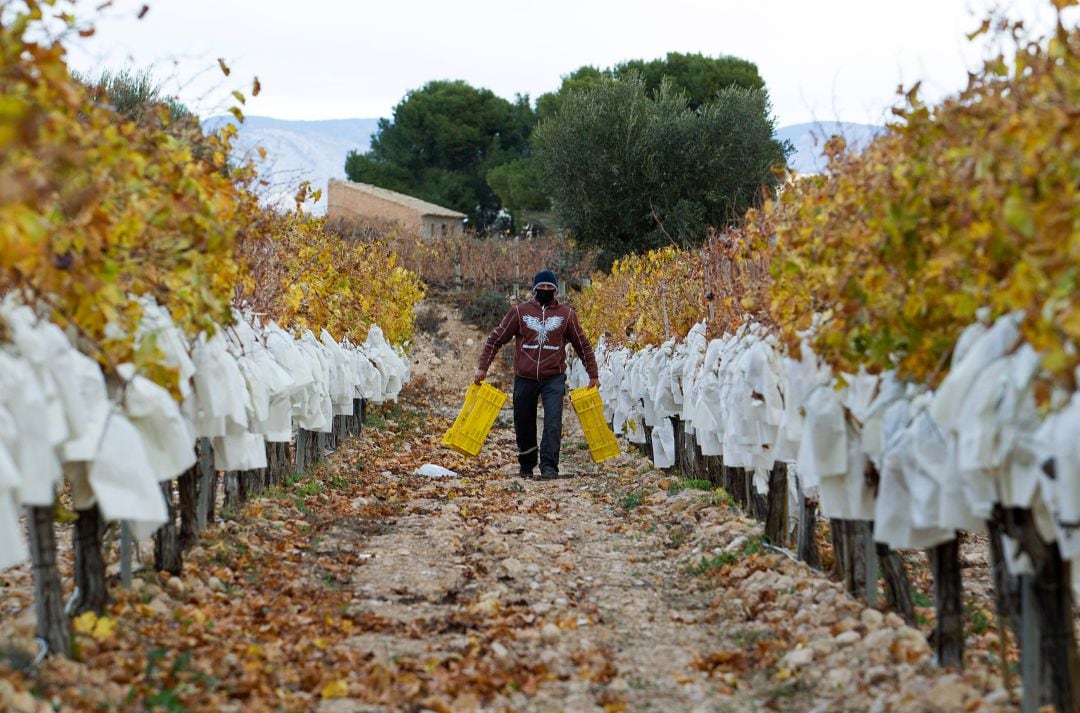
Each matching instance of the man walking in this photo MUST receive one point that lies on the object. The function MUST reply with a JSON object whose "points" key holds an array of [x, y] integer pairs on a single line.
{"points": [[540, 328]]}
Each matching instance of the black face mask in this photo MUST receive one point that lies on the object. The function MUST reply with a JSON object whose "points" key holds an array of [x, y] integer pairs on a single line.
{"points": [[545, 297]]}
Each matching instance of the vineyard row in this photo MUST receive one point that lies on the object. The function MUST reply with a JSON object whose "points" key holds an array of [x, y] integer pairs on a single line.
{"points": [[245, 393], [891, 464]]}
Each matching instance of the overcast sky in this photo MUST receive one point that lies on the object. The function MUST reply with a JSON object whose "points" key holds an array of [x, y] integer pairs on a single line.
{"points": [[328, 59]]}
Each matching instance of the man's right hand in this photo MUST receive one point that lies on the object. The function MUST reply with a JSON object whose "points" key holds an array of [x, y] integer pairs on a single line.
{"points": [[478, 377]]}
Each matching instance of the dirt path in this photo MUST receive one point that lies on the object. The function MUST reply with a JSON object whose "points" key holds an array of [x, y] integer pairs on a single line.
{"points": [[586, 608], [602, 591]]}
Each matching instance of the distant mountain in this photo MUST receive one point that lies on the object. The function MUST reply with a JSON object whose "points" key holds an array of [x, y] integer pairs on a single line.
{"points": [[809, 141], [298, 151], [316, 150]]}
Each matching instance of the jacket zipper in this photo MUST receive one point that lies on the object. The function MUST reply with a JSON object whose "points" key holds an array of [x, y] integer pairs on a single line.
{"points": [[539, 344]]}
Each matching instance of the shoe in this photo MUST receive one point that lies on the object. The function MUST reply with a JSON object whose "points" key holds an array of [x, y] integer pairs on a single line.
{"points": [[525, 473], [549, 474]]}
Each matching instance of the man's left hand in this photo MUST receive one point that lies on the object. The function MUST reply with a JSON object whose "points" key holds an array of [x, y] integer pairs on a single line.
{"points": [[594, 382]]}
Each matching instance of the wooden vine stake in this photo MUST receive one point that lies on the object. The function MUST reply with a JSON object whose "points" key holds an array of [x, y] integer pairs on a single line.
{"points": [[48, 595], [808, 550], [776, 517], [89, 562], [167, 555], [188, 485], [204, 514], [948, 603]]}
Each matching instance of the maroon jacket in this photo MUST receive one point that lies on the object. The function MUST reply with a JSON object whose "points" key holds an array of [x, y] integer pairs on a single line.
{"points": [[540, 335]]}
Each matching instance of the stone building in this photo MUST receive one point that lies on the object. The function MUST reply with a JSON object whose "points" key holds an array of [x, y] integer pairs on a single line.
{"points": [[347, 202]]}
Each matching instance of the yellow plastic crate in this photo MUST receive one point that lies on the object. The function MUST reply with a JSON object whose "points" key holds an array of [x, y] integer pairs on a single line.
{"points": [[472, 425], [590, 411]]}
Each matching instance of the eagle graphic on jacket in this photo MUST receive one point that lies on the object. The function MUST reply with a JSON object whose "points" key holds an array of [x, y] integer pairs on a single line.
{"points": [[542, 327]]}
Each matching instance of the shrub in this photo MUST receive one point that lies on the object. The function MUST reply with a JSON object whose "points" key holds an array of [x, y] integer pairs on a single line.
{"points": [[486, 310], [428, 321]]}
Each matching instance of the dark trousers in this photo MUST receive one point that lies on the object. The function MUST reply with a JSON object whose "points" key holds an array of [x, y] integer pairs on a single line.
{"points": [[527, 392]]}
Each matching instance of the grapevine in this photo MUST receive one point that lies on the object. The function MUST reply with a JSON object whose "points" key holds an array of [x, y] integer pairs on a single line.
{"points": [[971, 204], [646, 299], [924, 292]]}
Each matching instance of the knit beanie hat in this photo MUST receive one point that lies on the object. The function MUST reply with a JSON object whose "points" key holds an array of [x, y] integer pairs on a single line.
{"points": [[545, 278]]}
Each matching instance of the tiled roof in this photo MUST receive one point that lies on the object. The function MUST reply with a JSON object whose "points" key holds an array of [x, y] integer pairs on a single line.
{"points": [[422, 207]]}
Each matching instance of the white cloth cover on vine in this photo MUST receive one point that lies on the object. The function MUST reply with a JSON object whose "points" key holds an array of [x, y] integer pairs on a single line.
{"points": [[981, 412], [264, 379], [1060, 434], [695, 346], [306, 401], [634, 427], [79, 404], [33, 451], [342, 381], [404, 364], [672, 375], [242, 446], [639, 366], [823, 448], [1013, 478], [298, 367], [576, 376], [90, 398], [928, 464], [705, 397], [735, 411], [847, 495], [663, 441], [43, 347], [122, 479], [1016, 560], [859, 394], [166, 437], [614, 391], [981, 348], [634, 404], [992, 430], [239, 450], [708, 429], [220, 390], [257, 403], [759, 407], [317, 414], [659, 379], [762, 368], [614, 368], [370, 381], [874, 438], [905, 488], [391, 367], [226, 421], [850, 496], [235, 447], [289, 356], [157, 323], [830, 455], [801, 378], [276, 426], [12, 547]]}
